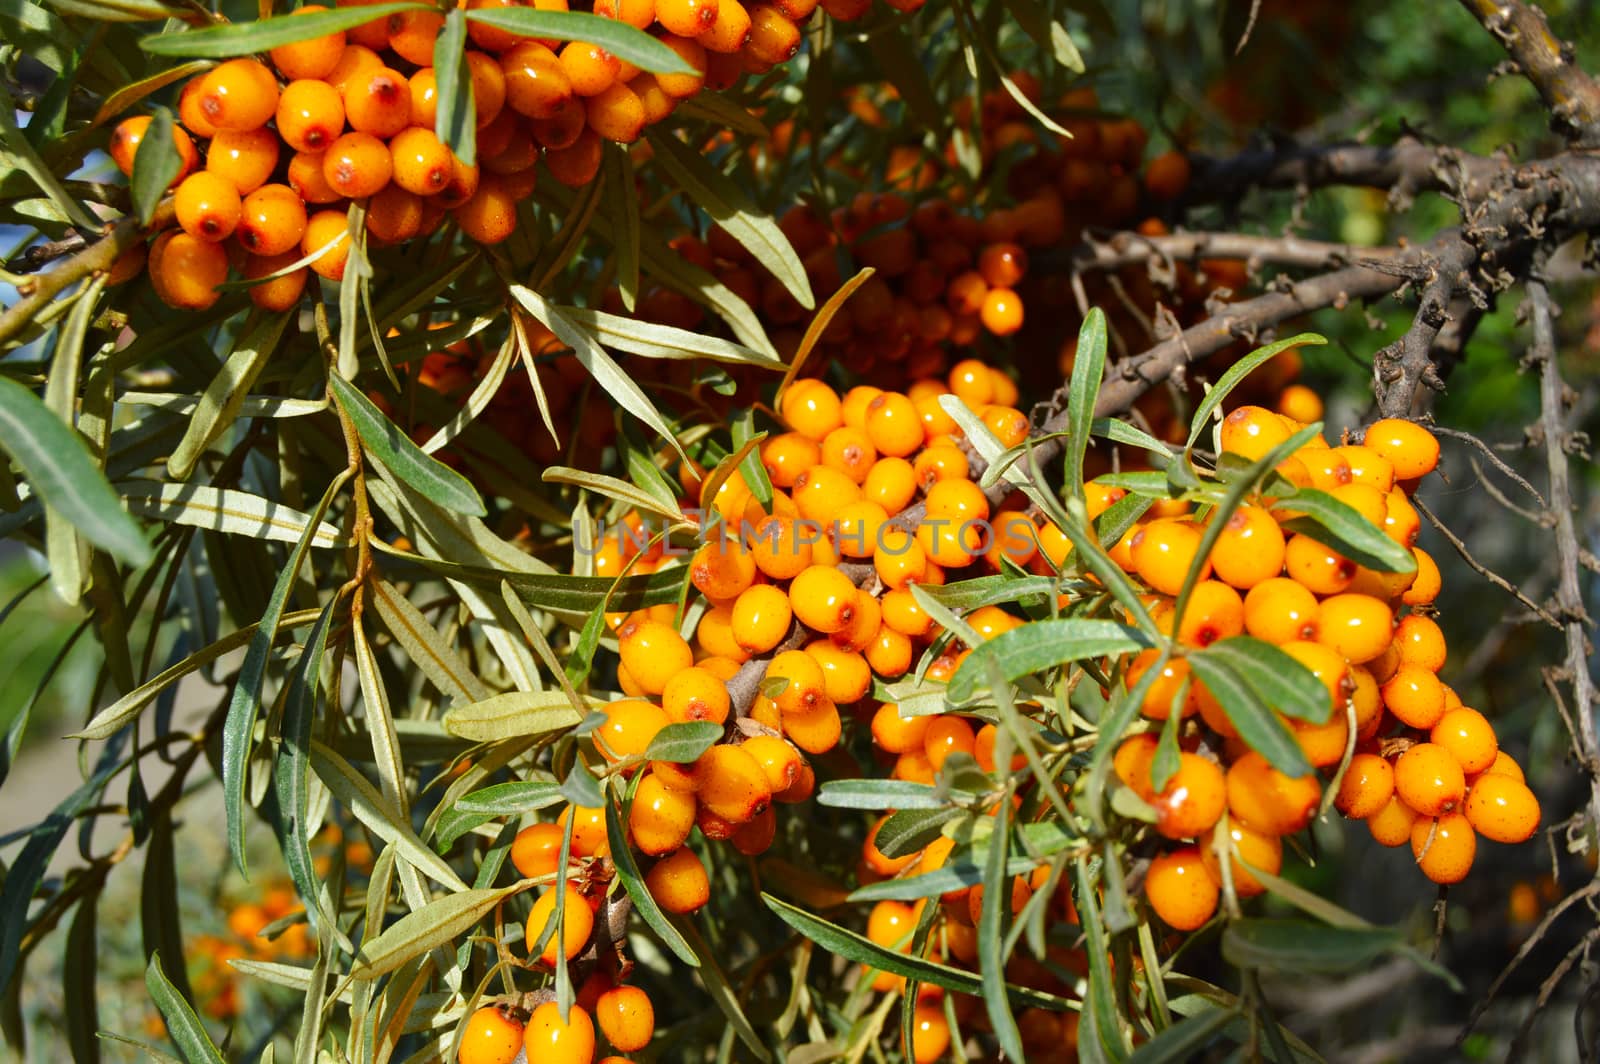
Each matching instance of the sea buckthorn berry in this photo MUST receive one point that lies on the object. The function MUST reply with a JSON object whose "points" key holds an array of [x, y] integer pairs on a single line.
{"points": [[1415, 696], [1428, 778], [947, 734], [862, 629], [1002, 264], [951, 544], [846, 674], [1261, 797], [207, 206], [899, 559], [240, 94], [853, 406], [812, 409], [1214, 611], [273, 220], [357, 165], [695, 694], [731, 30], [280, 293], [190, 114], [1468, 736], [537, 84], [394, 215], [823, 599], [493, 1035], [896, 734], [686, 18], [1501, 808], [890, 653], [653, 653], [412, 35], [1193, 799], [1425, 588], [488, 86], [1264, 852], [327, 230], [957, 501], [1249, 550], [245, 157], [549, 1038], [660, 818], [760, 618], [1001, 312], [1504, 765], [314, 58], [1367, 786], [1300, 403], [627, 1018], [731, 783], [683, 86], [902, 614], [629, 727], [616, 114], [850, 451], [821, 492], [420, 162], [1369, 502], [1357, 626], [1318, 567], [858, 528], [1444, 848], [805, 685], [1412, 449], [577, 918], [787, 455], [778, 758], [893, 424], [1368, 467], [1163, 552], [1252, 431], [781, 547], [305, 177], [939, 463], [588, 828], [1421, 642], [1323, 744], [1164, 690], [186, 270], [815, 731], [1327, 665], [1016, 538], [536, 851], [875, 858], [1281, 611], [936, 421], [1391, 825], [678, 882], [310, 115], [590, 69], [1179, 890]]}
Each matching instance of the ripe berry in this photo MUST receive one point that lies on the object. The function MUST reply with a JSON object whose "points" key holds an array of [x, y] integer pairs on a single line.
{"points": [[1428, 778], [394, 215], [678, 882], [239, 95], [590, 69], [760, 618], [627, 1018], [823, 599], [1415, 696], [1317, 567], [1163, 552], [314, 58], [1192, 800], [327, 229], [1502, 808], [686, 18], [1179, 890], [273, 220], [588, 829], [1261, 797], [185, 270], [1252, 431], [357, 165], [652, 652], [536, 851], [1412, 449], [1001, 312], [1421, 642], [281, 293], [1214, 611], [577, 919], [493, 1035], [1252, 848], [1367, 786], [1468, 736], [1281, 611], [731, 783], [660, 818], [207, 206], [1391, 825], [245, 157], [893, 425], [1250, 549], [1357, 626], [310, 115], [550, 1040], [1444, 848], [490, 216]]}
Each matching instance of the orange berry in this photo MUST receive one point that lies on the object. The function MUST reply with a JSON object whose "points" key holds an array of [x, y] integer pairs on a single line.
{"points": [[804, 688], [577, 924], [661, 817], [823, 599], [490, 216], [1357, 626], [357, 165], [588, 829], [1318, 567], [890, 653], [896, 734], [1415, 696], [778, 759], [938, 463], [696, 694], [1425, 588], [850, 451], [207, 206], [1001, 312], [394, 215], [493, 1035], [1409, 447], [310, 115], [314, 58], [1300, 403], [1163, 552], [1281, 611], [244, 157], [1252, 431], [488, 86], [238, 95], [1391, 825], [1261, 797], [280, 293], [1214, 611], [186, 270], [893, 424], [653, 653], [420, 162], [305, 177], [1421, 642], [1193, 799], [327, 229], [1444, 848], [1159, 698], [616, 113], [536, 851], [1428, 778], [1367, 786], [273, 220], [537, 84], [626, 1017], [590, 69], [1468, 736], [1502, 808], [1179, 890], [760, 618], [686, 18], [731, 783], [551, 1040], [812, 409], [678, 882], [787, 455], [1252, 848], [1250, 549], [629, 726]]}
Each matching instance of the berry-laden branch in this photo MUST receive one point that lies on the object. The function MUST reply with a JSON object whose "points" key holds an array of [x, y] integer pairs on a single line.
{"points": [[1570, 94]]}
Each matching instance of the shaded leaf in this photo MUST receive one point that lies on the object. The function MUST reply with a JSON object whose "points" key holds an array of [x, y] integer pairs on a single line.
{"points": [[439, 923], [183, 1026], [1041, 645], [1257, 724], [246, 38], [435, 480]]}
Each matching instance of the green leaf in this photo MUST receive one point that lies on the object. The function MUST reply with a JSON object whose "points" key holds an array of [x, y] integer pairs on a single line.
{"points": [[683, 741], [881, 794], [79, 968], [160, 925], [1185, 1040], [456, 119], [21, 155], [1258, 725], [728, 205], [967, 595], [1042, 645], [512, 799], [621, 40], [437, 660], [1088, 369], [909, 830], [238, 729], [854, 947], [56, 463], [622, 207], [1281, 681], [1236, 373], [226, 510], [1048, 33], [1337, 524], [722, 992], [156, 164], [183, 1026], [991, 934], [511, 714], [224, 397], [439, 923], [290, 769], [435, 480], [1304, 947], [894, 54], [261, 35], [632, 882], [743, 426], [582, 789], [1101, 1034]]}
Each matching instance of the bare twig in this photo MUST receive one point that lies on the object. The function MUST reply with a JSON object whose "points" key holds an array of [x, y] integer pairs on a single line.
{"points": [[1582, 894], [1494, 459], [1131, 249], [1570, 94], [1482, 570]]}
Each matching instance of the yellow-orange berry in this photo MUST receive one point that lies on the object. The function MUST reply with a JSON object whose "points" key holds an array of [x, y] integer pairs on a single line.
{"points": [[1468, 736], [186, 270], [1281, 611], [1367, 786], [327, 230], [357, 165], [696, 694], [678, 882], [273, 220], [731, 783], [280, 293], [1250, 549], [419, 161], [1415, 696], [1412, 449], [760, 618], [626, 1017], [314, 58], [245, 157], [536, 851], [1253, 848], [652, 652], [493, 1035], [1391, 825], [1444, 848], [240, 94], [310, 115], [550, 1038], [661, 817], [577, 921], [1428, 778], [1261, 797], [1163, 552], [208, 206], [1421, 642], [1179, 890], [1502, 808], [823, 599]]}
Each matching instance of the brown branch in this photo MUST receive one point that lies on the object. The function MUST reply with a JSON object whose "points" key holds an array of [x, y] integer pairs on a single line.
{"points": [[1570, 94], [1406, 167], [1483, 570], [1131, 249]]}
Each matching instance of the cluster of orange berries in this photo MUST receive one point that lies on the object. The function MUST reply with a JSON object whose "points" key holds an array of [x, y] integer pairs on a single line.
{"points": [[496, 1034], [351, 117], [1425, 769]]}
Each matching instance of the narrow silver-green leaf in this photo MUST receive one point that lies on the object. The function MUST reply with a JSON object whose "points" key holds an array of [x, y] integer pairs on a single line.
{"points": [[633, 883], [1258, 725], [437, 481], [247, 38], [650, 340], [1042, 645], [225, 395], [1236, 373], [436, 924], [991, 934], [513, 713], [1338, 524], [226, 510], [183, 1026], [156, 164], [1281, 681], [456, 117]]}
